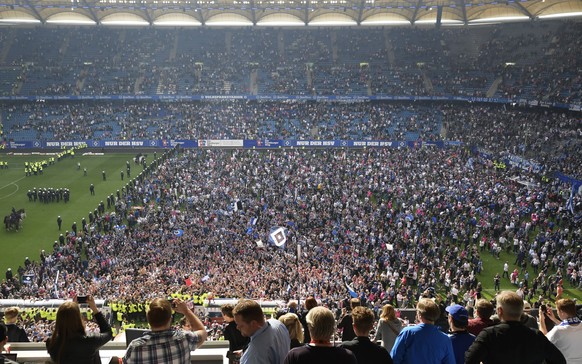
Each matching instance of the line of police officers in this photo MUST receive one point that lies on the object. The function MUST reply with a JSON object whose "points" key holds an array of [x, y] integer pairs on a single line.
{"points": [[46, 195]]}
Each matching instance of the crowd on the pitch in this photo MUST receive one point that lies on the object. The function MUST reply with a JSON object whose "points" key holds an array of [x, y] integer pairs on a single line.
{"points": [[392, 223]]}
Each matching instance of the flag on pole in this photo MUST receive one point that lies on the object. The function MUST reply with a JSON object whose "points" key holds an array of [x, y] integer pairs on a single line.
{"points": [[570, 203], [278, 237], [351, 291]]}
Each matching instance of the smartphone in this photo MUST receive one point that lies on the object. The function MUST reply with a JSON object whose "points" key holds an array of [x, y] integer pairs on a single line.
{"points": [[81, 299]]}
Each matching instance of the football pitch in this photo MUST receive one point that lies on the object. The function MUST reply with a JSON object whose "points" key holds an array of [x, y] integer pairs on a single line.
{"points": [[39, 229]]}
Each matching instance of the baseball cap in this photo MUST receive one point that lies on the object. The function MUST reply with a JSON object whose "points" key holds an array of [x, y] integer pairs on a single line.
{"points": [[458, 312]]}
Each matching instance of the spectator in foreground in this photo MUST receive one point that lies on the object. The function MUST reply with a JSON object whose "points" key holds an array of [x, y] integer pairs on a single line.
{"points": [[567, 334], [346, 323], [389, 326], [527, 319], [15, 333], [460, 337], [321, 325], [424, 343], [510, 341], [236, 341], [69, 342], [363, 348], [293, 325], [163, 344], [309, 304], [484, 309], [270, 340], [3, 341]]}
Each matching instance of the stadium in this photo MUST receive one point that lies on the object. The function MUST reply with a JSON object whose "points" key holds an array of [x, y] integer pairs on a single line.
{"points": [[276, 150]]}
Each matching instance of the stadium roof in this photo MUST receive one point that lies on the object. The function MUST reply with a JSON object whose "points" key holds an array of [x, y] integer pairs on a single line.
{"points": [[281, 12]]}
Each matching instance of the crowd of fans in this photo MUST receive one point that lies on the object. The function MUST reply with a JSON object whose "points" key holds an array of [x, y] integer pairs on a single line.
{"points": [[551, 138], [393, 224], [537, 61], [223, 120]]}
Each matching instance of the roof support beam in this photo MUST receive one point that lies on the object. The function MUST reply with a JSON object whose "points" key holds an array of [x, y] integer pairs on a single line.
{"points": [[361, 11], [461, 4], [148, 16], [91, 11], [198, 10], [524, 10], [306, 19], [33, 9], [416, 10], [253, 14]]}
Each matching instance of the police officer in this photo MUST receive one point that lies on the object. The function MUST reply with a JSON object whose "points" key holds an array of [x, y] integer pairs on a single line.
{"points": [[92, 189], [59, 222]]}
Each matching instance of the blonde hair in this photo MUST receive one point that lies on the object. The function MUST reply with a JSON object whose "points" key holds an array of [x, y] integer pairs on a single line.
{"points": [[293, 325], [321, 323], [511, 304], [388, 313], [10, 314], [428, 309]]}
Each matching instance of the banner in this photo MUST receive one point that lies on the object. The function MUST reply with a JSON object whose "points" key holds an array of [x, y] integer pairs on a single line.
{"points": [[230, 143], [274, 97]]}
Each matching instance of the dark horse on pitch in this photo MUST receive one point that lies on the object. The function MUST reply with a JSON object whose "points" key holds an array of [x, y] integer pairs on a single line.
{"points": [[14, 220]]}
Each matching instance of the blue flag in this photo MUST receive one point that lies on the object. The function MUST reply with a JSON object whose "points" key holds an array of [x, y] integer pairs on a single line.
{"points": [[351, 291], [570, 203]]}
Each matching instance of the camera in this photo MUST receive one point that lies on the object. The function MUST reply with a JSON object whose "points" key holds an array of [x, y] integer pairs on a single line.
{"points": [[544, 308], [81, 299], [171, 301]]}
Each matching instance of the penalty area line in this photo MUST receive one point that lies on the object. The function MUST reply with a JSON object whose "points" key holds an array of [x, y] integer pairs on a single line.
{"points": [[10, 184]]}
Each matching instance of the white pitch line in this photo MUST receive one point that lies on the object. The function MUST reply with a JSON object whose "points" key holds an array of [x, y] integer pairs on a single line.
{"points": [[10, 184], [13, 182]]}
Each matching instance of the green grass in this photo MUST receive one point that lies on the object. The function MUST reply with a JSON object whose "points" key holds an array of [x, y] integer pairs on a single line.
{"points": [[39, 229], [493, 265]]}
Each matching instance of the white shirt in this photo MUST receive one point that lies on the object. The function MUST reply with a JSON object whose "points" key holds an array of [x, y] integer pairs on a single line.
{"points": [[568, 339]]}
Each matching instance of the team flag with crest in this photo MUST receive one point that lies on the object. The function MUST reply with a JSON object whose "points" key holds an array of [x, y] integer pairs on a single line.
{"points": [[278, 237]]}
